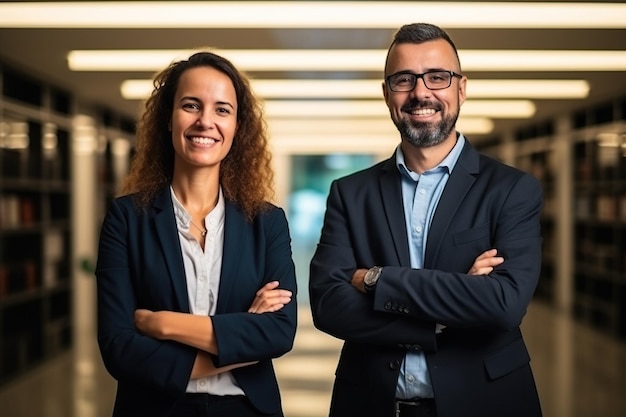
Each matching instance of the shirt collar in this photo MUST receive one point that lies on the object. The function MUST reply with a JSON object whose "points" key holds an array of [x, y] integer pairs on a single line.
{"points": [[183, 219], [448, 162]]}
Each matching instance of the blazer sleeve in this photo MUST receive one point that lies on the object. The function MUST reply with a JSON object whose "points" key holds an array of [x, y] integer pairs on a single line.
{"points": [[128, 355], [337, 307], [264, 255]]}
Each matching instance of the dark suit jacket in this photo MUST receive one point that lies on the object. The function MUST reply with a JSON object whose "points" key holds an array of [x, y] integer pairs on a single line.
{"points": [[479, 365], [140, 266]]}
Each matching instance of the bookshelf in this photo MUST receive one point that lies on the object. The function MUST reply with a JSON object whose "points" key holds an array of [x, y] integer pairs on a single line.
{"points": [[40, 210], [580, 161], [599, 173], [537, 157], [35, 290]]}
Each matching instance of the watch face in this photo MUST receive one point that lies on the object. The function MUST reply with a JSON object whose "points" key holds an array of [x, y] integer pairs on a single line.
{"points": [[371, 276]]}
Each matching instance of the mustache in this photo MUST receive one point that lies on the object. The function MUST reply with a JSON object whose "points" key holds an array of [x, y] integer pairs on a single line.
{"points": [[417, 104]]}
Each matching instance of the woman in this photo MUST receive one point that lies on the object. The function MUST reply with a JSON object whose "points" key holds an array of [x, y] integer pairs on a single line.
{"points": [[196, 283]]}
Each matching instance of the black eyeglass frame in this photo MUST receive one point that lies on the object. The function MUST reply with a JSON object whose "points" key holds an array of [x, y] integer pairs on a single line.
{"points": [[418, 76]]}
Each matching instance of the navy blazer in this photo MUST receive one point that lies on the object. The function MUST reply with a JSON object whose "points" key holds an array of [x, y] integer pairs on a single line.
{"points": [[479, 365], [140, 265]]}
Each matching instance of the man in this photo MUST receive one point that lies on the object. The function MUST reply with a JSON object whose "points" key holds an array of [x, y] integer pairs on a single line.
{"points": [[405, 271]]}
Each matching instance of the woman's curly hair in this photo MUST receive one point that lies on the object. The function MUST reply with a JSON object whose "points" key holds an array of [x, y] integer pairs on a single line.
{"points": [[246, 175]]}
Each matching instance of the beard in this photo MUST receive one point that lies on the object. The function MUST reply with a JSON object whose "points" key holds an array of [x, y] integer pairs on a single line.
{"points": [[421, 134]]}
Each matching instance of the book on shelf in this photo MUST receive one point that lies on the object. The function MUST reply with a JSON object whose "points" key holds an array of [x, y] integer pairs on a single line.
{"points": [[17, 210], [606, 206], [53, 253], [4, 281]]}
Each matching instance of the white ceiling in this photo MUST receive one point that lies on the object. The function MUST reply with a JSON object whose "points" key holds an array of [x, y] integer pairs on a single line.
{"points": [[42, 53]]}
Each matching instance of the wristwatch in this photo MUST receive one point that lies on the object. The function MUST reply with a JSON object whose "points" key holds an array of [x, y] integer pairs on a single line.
{"points": [[371, 278]]}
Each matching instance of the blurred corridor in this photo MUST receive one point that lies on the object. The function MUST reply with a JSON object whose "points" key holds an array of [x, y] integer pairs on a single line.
{"points": [[580, 373]]}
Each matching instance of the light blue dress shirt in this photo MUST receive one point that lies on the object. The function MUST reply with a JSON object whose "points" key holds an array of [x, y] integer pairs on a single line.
{"points": [[420, 196]]}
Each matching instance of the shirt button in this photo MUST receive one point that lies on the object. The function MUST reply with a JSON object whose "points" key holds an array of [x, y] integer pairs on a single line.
{"points": [[422, 191], [418, 229], [202, 383]]}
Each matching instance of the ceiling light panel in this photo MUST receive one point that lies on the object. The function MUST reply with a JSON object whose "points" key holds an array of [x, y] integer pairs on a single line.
{"points": [[310, 14], [364, 89], [380, 125], [247, 59], [535, 89], [374, 108], [349, 60], [542, 60]]}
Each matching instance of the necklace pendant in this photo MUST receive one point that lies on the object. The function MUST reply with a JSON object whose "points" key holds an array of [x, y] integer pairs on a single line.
{"points": [[203, 232]]}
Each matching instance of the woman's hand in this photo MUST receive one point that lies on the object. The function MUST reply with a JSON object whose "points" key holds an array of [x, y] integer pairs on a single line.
{"points": [[485, 262], [149, 323], [270, 298], [203, 366]]}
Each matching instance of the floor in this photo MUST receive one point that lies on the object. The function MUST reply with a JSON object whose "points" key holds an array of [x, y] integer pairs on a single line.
{"points": [[579, 373]]}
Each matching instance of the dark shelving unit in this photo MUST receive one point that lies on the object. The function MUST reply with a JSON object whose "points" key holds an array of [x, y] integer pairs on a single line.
{"points": [[599, 173], [582, 169], [35, 217]]}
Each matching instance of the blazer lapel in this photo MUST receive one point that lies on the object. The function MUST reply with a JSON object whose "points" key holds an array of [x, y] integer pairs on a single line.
{"points": [[165, 225], [459, 183], [391, 191], [234, 228]]}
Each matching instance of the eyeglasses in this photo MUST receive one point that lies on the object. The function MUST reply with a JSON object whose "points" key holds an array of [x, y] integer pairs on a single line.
{"points": [[433, 80]]}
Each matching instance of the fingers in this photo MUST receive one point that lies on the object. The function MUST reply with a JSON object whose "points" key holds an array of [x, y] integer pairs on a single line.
{"points": [[270, 299], [485, 262], [140, 316], [487, 254], [143, 320], [267, 287]]}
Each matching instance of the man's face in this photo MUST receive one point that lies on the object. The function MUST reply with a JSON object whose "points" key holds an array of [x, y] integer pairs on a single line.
{"points": [[424, 117]]}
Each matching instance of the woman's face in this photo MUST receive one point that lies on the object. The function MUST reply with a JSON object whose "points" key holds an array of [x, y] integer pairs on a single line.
{"points": [[204, 118]]}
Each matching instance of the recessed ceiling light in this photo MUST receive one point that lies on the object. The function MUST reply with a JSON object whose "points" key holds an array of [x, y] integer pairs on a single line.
{"points": [[309, 14], [374, 108], [349, 135], [535, 89], [285, 89], [381, 125], [349, 60]]}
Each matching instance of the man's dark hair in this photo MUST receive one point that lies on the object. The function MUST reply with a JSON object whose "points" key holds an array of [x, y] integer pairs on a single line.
{"points": [[421, 32]]}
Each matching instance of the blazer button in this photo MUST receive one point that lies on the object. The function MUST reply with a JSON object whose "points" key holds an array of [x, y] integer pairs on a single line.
{"points": [[387, 305], [394, 364]]}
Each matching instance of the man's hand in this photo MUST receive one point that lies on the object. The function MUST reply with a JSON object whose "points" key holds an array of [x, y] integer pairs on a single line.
{"points": [[485, 262], [358, 279]]}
